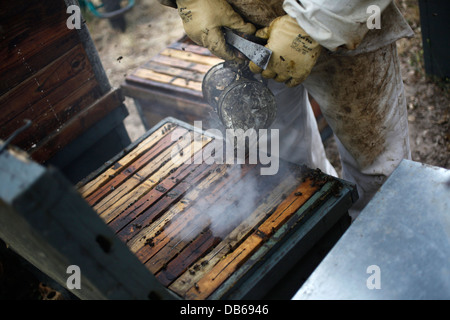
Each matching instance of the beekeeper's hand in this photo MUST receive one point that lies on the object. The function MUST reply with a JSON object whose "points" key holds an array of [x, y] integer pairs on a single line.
{"points": [[294, 52], [204, 19]]}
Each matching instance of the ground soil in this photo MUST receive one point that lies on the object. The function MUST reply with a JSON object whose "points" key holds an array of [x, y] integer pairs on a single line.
{"points": [[151, 27]]}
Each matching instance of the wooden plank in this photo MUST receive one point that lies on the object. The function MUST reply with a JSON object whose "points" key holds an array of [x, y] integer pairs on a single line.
{"points": [[50, 84], [189, 278], [26, 55], [172, 220], [177, 266], [139, 241], [24, 18], [24, 21], [159, 95], [43, 216], [174, 235], [150, 206], [192, 226], [190, 47], [228, 209], [210, 279], [163, 78], [185, 103], [88, 188], [109, 203], [221, 271], [160, 260], [47, 118], [189, 75], [289, 243], [294, 201], [191, 57], [133, 189], [76, 126], [177, 63], [165, 141]]}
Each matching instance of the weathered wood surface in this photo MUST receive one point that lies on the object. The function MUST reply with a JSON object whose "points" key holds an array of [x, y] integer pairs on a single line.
{"points": [[77, 125], [193, 224], [178, 69], [48, 76], [33, 36], [170, 84], [45, 220]]}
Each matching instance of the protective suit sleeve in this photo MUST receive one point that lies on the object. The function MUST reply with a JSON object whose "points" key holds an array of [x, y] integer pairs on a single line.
{"points": [[334, 23]]}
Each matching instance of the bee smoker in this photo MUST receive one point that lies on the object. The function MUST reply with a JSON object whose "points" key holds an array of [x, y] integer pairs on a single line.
{"points": [[240, 100]]}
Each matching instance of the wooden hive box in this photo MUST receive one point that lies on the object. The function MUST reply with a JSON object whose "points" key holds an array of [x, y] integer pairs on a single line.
{"points": [[170, 84], [208, 230], [158, 222], [52, 75]]}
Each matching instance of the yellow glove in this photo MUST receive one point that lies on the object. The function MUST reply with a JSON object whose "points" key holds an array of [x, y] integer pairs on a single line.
{"points": [[294, 52], [203, 20]]}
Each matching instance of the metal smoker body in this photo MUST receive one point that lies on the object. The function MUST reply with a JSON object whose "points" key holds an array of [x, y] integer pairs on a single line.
{"points": [[239, 99]]}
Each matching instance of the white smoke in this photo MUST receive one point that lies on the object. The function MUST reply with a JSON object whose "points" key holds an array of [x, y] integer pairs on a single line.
{"points": [[224, 211]]}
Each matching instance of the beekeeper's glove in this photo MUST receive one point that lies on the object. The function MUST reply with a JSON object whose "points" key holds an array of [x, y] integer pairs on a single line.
{"points": [[294, 52], [203, 20]]}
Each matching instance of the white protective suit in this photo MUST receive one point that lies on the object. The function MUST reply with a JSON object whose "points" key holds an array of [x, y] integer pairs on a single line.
{"points": [[360, 93], [357, 83]]}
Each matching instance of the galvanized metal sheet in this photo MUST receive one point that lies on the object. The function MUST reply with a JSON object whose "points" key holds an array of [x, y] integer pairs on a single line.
{"points": [[399, 246]]}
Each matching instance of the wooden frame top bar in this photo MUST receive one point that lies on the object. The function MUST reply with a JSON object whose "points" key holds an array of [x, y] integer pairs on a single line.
{"points": [[203, 228]]}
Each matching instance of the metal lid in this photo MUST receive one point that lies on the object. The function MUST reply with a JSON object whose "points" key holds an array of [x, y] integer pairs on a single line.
{"points": [[247, 104], [215, 81]]}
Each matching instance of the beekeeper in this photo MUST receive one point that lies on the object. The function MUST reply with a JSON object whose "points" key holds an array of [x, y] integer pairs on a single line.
{"points": [[339, 53]]}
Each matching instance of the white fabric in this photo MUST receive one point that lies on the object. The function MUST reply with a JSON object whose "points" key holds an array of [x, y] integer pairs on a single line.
{"points": [[343, 23], [360, 93], [300, 140], [362, 99]]}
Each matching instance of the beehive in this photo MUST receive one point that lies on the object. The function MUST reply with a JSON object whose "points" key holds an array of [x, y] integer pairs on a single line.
{"points": [[201, 226]]}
